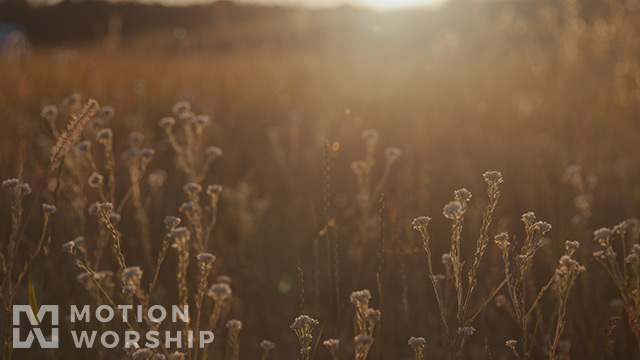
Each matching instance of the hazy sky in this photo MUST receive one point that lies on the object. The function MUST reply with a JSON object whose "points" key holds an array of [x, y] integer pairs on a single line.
{"points": [[381, 4]]}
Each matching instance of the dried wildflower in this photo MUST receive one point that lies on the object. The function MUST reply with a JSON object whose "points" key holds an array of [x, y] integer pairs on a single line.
{"points": [[157, 178], [142, 354], [214, 190], [370, 136], [83, 277], [202, 120], [104, 136], [146, 155], [631, 258], [167, 123], [417, 344], [206, 258], [234, 325], [10, 183], [135, 139], [180, 234], [186, 206], [420, 222], [192, 188], [502, 240], [68, 247], [529, 218], [170, 222], [72, 100], [49, 209], [602, 234], [25, 189], [569, 244], [372, 315], [267, 345], [462, 195], [84, 145], [363, 345], [181, 108], [107, 112], [360, 298], [332, 344], [392, 153], [446, 259], [219, 291], [452, 210], [158, 357], [224, 279], [303, 327], [49, 112], [493, 176], [132, 274], [177, 356], [92, 209], [466, 331], [304, 321], [359, 167], [213, 152], [542, 226], [439, 277], [95, 180]]}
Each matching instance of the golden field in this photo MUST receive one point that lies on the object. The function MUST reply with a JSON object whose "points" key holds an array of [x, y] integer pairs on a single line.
{"points": [[329, 132]]}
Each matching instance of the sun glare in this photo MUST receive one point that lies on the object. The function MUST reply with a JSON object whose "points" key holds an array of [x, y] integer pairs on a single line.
{"points": [[398, 4]]}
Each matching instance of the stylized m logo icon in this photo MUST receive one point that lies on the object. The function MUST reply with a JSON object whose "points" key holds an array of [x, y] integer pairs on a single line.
{"points": [[52, 343]]}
